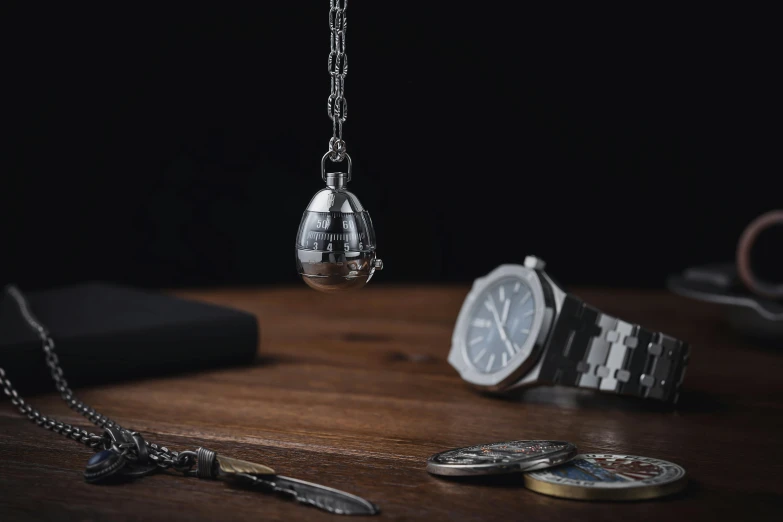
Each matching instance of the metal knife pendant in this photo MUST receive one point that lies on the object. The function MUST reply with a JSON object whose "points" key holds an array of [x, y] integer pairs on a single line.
{"points": [[323, 497], [211, 465]]}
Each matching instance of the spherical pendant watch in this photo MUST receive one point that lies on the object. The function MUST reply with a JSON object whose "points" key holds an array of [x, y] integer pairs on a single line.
{"points": [[518, 328]]}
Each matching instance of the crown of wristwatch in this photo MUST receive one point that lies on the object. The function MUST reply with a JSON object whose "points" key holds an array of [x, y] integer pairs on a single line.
{"points": [[535, 263]]}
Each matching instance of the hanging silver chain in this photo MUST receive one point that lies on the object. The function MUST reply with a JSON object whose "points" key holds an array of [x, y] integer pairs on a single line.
{"points": [[160, 455], [338, 69]]}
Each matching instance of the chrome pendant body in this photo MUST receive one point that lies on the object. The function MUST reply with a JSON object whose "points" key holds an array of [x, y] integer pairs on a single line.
{"points": [[335, 245]]}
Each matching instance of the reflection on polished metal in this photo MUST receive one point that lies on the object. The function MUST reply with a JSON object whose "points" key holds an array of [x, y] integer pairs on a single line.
{"points": [[227, 466], [609, 477], [518, 328], [501, 457], [335, 245]]}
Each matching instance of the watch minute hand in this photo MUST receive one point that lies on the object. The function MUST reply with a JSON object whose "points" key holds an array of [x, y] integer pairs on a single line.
{"points": [[496, 317]]}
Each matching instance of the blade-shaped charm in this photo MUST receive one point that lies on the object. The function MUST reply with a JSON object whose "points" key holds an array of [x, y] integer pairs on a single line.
{"points": [[211, 465], [326, 498], [229, 466]]}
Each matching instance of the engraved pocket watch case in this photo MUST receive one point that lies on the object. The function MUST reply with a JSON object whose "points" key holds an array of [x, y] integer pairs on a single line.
{"points": [[335, 245]]}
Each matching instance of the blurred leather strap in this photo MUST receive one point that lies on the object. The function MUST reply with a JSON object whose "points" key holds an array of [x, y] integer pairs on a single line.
{"points": [[744, 252]]}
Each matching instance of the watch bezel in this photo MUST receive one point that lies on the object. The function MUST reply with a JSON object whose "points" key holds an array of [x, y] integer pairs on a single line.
{"points": [[505, 377]]}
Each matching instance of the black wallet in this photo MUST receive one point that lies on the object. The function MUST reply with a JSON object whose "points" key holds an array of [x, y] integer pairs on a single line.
{"points": [[106, 333]]}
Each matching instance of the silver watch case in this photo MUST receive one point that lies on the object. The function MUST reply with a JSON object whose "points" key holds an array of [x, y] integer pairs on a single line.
{"points": [[548, 298]]}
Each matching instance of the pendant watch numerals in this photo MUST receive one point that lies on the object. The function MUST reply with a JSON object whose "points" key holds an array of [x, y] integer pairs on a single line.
{"points": [[334, 232]]}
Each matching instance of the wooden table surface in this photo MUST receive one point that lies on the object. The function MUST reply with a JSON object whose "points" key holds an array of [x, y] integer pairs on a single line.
{"points": [[354, 391]]}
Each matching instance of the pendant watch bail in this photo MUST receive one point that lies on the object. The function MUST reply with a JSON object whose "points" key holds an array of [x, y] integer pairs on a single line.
{"points": [[336, 180]]}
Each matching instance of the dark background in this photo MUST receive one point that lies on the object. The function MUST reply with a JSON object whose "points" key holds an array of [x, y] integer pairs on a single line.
{"points": [[168, 149]]}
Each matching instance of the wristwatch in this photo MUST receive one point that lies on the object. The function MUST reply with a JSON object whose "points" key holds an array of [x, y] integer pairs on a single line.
{"points": [[518, 328]]}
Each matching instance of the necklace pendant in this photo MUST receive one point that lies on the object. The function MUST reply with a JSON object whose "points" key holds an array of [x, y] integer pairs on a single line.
{"points": [[335, 246], [126, 457], [211, 465]]}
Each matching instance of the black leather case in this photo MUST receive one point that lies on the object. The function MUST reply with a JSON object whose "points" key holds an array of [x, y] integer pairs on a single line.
{"points": [[105, 333]]}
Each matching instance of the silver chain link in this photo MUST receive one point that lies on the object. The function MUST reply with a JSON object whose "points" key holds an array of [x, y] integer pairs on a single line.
{"points": [[338, 69], [160, 455]]}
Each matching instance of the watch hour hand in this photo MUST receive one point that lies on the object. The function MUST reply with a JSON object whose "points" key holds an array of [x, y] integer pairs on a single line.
{"points": [[504, 317]]}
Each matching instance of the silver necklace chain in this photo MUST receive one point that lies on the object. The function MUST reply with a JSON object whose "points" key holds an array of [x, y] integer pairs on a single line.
{"points": [[338, 69], [162, 456]]}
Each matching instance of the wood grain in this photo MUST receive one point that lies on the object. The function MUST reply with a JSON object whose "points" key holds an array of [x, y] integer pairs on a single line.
{"points": [[354, 391]]}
